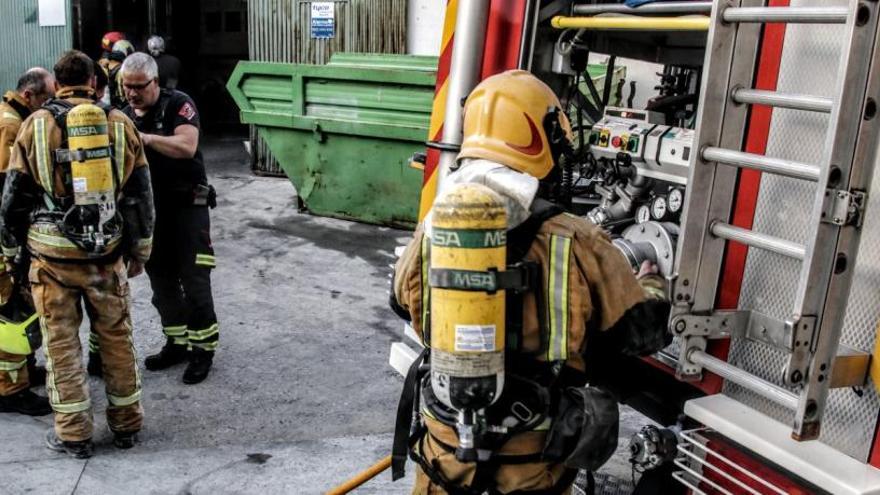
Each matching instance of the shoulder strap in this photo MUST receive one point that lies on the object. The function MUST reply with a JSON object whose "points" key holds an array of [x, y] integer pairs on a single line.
{"points": [[20, 109], [59, 109], [159, 116], [520, 239]]}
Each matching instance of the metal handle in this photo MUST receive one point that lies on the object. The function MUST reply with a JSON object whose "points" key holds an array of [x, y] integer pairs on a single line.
{"points": [[743, 378], [791, 15], [755, 239], [763, 163]]}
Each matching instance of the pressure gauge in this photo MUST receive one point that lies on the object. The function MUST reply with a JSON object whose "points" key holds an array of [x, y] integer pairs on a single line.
{"points": [[643, 214], [675, 200], [659, 208]]}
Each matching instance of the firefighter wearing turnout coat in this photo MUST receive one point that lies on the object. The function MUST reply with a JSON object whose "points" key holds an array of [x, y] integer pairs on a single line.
{"points": [[18, 370], [78, 197], [508, 293]]}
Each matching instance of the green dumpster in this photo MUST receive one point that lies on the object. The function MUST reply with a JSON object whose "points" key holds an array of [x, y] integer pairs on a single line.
{"points": [[344, 132]]}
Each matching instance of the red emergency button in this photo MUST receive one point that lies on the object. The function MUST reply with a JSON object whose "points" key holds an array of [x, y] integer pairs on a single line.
{"points": [[615, 141]]}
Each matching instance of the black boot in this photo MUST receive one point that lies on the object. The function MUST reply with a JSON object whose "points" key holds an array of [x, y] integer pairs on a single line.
{"points": [[199, 365], [25, 402], [79, 450], [36, 374], [125, 440], [170, 355], [96, 365]]}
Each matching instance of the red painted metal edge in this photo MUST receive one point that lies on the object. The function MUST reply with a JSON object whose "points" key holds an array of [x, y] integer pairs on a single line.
{"points": [[503, 35]]}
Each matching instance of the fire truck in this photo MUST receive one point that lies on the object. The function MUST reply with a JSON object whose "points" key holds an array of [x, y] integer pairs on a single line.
{"points": [[747, 178]]}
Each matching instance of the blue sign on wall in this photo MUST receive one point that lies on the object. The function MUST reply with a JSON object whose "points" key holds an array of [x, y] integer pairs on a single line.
{"points": [[323, 20]]}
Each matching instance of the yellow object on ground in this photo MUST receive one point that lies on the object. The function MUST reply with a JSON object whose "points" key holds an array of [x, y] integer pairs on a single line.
{"points": [[362, 477]]}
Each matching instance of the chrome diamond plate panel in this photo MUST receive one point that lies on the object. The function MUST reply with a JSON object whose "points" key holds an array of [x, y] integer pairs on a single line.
{"points": [[809, 66]]}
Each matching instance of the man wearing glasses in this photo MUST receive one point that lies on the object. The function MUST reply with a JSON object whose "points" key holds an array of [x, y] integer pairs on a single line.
{"points": [[182, 259]]}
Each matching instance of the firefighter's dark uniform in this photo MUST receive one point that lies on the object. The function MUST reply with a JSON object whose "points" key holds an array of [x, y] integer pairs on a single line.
{"points": [[37, 193], [182, 259]]}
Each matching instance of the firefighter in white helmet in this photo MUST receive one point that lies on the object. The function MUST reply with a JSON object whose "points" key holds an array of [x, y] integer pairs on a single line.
{"points": [[568, 293]]}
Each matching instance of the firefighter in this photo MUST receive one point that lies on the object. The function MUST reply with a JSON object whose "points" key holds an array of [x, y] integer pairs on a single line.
{"points": [[121, 50], [169, 65], [18, 372], [567, 289], [107, 41], [77, 196], [183, 257]]}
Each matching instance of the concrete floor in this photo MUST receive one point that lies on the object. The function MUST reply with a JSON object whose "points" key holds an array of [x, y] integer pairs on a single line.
{"points": [[301, 395]]}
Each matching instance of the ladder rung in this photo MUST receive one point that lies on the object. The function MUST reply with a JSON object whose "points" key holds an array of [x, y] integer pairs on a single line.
{"points": [[763, 163], [741, 377], [800, 15], [755, 239], [783, 100]]}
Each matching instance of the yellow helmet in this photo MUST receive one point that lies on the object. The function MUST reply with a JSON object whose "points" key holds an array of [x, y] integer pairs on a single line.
{"points": [[507, 119]]}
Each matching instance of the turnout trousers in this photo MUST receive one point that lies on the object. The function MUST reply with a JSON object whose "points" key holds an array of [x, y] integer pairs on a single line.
{"points": [[60, 291], [537, 477], [180, 275]]}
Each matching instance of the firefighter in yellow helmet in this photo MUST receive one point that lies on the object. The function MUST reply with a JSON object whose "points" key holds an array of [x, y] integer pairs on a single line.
{"points": [[19, 371], [568, 294], [78, 198]]}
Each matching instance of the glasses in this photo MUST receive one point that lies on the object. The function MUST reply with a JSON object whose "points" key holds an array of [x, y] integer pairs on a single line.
{"points": [[137, 87]]}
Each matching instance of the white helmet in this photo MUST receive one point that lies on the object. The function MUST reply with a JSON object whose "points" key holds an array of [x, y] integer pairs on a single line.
{"points": [[156, 45]]}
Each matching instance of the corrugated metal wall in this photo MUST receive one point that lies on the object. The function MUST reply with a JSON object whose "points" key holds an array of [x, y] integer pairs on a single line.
{"points": [[280, 31], [24, 44]]}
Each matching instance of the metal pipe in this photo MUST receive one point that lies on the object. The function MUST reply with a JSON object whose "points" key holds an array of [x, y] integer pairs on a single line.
{"points": [[742, 378], [791, 15], [651, 8], [782, 100], [464, 73], [763, 163], [632, 23], [754, 239]]}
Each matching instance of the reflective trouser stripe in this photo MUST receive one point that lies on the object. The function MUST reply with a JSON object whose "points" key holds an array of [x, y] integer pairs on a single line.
{"points": [[118, 401], [71, 408], [12, 367], [61, 242], [207, 339], [93, 342], [558, 311], [119, 143], [426, 290], [177, 334], [41, 146], [207, 346], [204, 334], [177, 331], [51, 388], [206, 260]]}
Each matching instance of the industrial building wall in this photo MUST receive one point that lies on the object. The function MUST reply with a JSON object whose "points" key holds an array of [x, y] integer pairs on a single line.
{"points": [[24, 43], [280, 31], [424, 26]]}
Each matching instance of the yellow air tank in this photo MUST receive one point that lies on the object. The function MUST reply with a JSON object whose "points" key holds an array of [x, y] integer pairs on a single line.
{"points": [[92, 166], [468, 247]]}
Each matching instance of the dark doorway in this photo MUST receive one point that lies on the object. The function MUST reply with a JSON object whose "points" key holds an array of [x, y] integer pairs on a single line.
{"points": [[208, 36]]}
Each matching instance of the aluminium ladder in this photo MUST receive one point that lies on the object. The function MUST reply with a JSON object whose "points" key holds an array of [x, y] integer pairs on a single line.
{"points": [[810, 334]]}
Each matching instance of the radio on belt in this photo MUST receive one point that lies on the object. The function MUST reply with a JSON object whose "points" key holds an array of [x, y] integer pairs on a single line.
{"points": [[657, 151]]}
